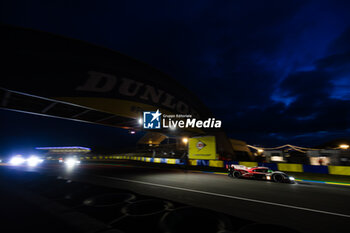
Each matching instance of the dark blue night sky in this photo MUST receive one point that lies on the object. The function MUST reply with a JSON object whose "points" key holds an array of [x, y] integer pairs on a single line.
{"points": [[275, 72]]}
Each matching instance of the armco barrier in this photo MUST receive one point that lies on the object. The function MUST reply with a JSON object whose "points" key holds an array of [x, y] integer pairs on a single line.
{"points": [[157, 160], [137, 158], [248, 164], [171, 161], [288, 167], [315, 169], [216, 163], [339, 170], [202, 162], [192, 162], [272, 166]]}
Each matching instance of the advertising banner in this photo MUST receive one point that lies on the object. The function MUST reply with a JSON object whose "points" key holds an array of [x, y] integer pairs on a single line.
{"points": [[202, 148]]}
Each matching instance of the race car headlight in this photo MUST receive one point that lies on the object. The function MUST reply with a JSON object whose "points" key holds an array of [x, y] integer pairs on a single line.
{"points": [[17, 160], [33, 161], [71, 162], [268, 177], [291, 178]]}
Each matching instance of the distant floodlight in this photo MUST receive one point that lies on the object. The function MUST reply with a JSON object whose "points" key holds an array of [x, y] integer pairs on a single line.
{"points": [[140, 121], [185, 140], [260, 150], [344, 146]]}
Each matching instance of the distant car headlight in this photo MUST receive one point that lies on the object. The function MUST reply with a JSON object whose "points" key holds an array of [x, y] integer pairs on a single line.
{"points": [[291, 178], [17, 160], [71, 162], [33, 161]]}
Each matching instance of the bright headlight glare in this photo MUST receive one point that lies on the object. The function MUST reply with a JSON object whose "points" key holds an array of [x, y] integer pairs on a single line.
{"points": [[70, 162], [291, 178], [17, 160], [33, 161], [268, 177]]}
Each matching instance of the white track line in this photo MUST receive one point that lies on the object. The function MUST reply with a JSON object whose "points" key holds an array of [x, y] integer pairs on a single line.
{"points": [[228, 196]]}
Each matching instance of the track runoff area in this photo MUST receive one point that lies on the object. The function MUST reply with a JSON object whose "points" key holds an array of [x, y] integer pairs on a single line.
{"points": [[306, 207]]}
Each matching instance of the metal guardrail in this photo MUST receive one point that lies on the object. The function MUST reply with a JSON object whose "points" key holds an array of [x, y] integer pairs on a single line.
{"points": [[288, 167]]}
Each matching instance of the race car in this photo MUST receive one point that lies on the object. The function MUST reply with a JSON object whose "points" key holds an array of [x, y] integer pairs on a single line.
{"points": [[69, 161], [259, 173]]}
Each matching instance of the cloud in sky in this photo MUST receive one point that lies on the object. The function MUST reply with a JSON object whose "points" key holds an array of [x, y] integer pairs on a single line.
{"points": [[273, 71]]}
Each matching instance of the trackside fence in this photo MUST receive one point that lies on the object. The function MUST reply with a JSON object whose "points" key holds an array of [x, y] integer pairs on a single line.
{"points": [[288, 167]]}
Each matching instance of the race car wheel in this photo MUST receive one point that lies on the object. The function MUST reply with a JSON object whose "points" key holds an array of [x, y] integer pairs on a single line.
{"points": [[277, 178], [236, 174]]}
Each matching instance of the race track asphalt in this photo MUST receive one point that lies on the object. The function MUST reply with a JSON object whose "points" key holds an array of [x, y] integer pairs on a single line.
{"points": [[306, 207]]}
